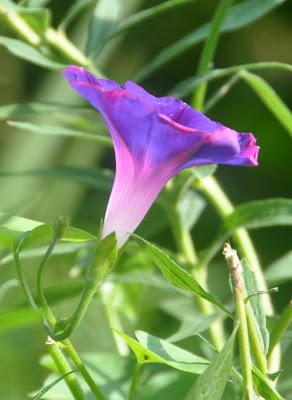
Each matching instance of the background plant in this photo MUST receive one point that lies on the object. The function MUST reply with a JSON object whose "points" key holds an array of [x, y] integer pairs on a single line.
{"points": [[56, 160]]}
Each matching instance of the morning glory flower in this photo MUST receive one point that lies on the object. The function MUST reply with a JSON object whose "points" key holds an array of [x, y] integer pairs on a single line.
{"points": [[154, 138]]}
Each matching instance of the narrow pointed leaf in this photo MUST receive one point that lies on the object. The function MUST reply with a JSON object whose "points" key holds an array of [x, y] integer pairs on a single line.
{"points": [[260, 214], [270, 98], [29, 53], [176, 275], [239, 15], [50, 386], [211, 384]]}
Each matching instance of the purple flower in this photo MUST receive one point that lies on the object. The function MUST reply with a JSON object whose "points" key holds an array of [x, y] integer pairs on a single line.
{"points": [[154, 139]]}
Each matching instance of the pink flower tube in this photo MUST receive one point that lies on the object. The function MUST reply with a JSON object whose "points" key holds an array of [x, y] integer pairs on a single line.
{"points": [[154, 139]]}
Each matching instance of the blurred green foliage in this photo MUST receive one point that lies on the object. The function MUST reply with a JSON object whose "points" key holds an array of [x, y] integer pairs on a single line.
{"points": [[42, 196]]}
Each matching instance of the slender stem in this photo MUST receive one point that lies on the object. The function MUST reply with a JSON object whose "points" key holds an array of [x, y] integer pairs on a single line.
{"points": [[236, 272], [55, 38], [279, 330], [19, 25], [51, 319], [79, 364], [135, 381], [39, 285], [64, 368], [209, 50], [23, 281]]}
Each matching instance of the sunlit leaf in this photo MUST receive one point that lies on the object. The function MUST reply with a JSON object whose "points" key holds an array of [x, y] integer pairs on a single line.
{"points": [[239, 15], [211, 384], [151, 349], [29, 53]]}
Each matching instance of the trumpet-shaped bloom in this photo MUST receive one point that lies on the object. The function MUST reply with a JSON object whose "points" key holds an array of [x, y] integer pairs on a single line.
{"points": [[154, 138]]}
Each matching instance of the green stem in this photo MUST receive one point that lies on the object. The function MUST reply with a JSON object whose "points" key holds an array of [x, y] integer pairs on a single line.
{"points": [[19, 25], [23, 281], [236, 273], [279, 330], [64, 368], [256, 346], [51, 319], [135, 381], [209, 50], [55, 38], [79, 364]]}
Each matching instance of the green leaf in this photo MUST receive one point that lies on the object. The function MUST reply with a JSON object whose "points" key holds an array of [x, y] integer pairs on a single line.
{"points": [[21, 109], [44, 233], [211, 384], [29, 53], [280, 271], [239, 15], [50, 386], [36, 233], [260, 214], [270, 98], [256, 306], [93, 177], [73, 11], [18, 318], [176, 275], [104, 18], [60, 131], [142, 16], [264, 386], [39, 19], [105, 257], [151, 349]]}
